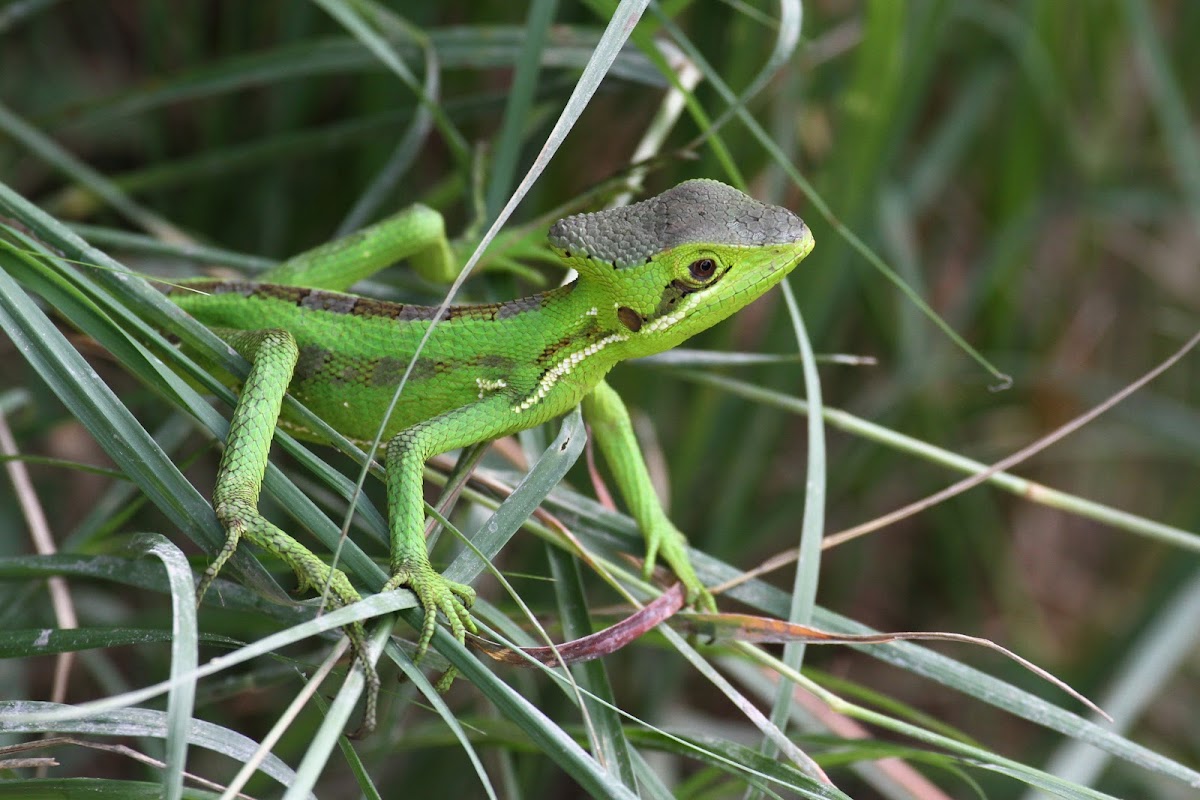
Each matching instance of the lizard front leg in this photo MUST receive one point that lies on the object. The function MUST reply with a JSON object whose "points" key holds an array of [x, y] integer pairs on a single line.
{"points": [[407, 453], [609, 421], [272, 355]]}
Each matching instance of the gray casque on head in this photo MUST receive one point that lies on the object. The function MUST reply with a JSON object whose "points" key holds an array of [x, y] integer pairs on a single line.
{"points": [[696, 211]]}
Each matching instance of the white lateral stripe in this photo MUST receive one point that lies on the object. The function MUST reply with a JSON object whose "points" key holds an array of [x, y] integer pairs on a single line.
{"points": [[675, 317], [564, 367], [489, 385]]}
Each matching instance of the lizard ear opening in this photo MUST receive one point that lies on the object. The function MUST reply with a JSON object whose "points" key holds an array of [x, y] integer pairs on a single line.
{"points": [[630, 318]]}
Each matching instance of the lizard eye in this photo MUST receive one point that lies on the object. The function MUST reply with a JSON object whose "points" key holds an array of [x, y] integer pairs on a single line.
{"points": [[703, 269]]}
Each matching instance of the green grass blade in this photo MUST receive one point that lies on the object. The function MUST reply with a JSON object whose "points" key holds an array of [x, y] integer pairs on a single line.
{"points": [[184, 657], [812, 529], [609, 744], [1158, 655], [542, 478], [519, 104], [54, 155], [134, 722]]}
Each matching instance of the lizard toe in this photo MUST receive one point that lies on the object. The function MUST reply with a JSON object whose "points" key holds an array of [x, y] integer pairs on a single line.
{"points": [[464, 593], [428, 627], [446, 681], [342, 593], [460, 600], [651, 558], [703, 599]]}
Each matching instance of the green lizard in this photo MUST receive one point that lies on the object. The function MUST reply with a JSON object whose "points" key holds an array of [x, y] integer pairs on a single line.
{"points": [[650, 275]]}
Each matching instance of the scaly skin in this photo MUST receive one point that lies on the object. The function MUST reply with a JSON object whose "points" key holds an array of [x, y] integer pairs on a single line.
{"points": [[650, 275]]}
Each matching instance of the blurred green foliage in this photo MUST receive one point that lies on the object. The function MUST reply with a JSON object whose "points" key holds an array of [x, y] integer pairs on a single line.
{"points": [[1031, 168]]}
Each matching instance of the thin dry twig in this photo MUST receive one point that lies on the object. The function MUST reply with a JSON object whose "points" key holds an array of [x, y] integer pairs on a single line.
{"points": [[43, 542], [841, 537]]}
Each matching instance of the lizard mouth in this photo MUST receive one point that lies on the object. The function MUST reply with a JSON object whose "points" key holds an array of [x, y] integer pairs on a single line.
{"points": [[805, 242], [799, 249]]}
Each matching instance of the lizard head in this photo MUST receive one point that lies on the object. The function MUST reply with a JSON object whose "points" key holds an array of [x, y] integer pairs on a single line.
{"points": [[673, 265]]}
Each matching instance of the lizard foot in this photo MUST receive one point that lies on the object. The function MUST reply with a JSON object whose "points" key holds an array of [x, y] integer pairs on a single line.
{"points": [[242, 521], [667, 540], [436, 594], [313, 574]]}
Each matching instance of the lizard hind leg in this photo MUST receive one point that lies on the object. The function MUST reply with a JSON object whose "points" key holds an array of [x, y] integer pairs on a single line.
{"points": [[406, 455]]}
